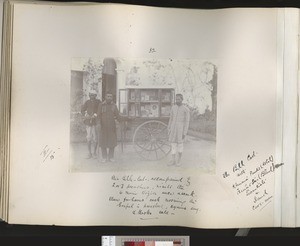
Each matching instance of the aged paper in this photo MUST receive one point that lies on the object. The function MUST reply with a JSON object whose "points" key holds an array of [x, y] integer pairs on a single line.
{"points": [[238, 192], [298, 151], [290, 114]]}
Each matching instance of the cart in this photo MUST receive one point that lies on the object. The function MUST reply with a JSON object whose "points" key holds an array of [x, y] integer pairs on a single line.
{"points": [[147, 111]]}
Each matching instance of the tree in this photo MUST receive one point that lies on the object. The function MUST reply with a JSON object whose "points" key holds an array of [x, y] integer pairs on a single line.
{"points": [[92, 78]]}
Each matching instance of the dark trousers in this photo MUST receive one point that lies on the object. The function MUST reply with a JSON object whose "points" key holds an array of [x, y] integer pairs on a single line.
{"points": [[110, 152]]}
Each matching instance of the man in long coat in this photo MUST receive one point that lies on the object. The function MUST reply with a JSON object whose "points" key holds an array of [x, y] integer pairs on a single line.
{"points": [[177, 128], [107, 114]]}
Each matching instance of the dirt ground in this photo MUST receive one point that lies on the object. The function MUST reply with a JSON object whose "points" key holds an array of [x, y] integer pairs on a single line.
{"points": [[197, 154]]}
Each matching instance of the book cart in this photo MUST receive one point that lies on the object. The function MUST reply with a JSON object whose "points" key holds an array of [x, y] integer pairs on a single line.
{"points": [[148, 111]]}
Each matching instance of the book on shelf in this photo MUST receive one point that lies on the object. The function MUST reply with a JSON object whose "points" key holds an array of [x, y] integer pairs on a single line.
{"points": [[236, 73]]}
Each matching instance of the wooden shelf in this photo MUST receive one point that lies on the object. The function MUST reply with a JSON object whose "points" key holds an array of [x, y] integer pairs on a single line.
{"points": [[137, 105]]}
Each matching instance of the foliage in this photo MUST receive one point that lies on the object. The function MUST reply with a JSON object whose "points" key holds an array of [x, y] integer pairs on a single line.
{"points": [[77, 128], [195, 79], [92, 78], [76, 100]]}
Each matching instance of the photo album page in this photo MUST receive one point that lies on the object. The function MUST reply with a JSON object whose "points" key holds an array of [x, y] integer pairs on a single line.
{"points": [[133, 115]]}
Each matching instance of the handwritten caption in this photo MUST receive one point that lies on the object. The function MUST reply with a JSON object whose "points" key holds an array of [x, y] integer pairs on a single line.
{"points": [[250, 179], [47, 153], [152, 196]]}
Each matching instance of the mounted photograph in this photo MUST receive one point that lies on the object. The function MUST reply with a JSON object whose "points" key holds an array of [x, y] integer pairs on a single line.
{"points": [[143, 114]]}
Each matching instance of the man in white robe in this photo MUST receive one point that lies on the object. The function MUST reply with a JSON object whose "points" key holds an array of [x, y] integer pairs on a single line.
{"points": [[177, 128]]}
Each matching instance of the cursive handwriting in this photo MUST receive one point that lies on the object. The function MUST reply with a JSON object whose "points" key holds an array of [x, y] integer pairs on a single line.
{"points": [[251, 177], [47, 153], [153, 196]]}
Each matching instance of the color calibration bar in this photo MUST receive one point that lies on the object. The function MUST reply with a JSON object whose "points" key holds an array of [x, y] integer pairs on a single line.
{"points": [[145, 240], [152, 243]]}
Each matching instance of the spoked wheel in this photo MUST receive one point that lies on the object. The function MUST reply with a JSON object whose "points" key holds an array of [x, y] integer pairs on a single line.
{"points": [[150, 140]]}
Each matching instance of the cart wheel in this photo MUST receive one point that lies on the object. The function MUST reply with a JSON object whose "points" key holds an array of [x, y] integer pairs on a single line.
{"points": [[150, 140]]}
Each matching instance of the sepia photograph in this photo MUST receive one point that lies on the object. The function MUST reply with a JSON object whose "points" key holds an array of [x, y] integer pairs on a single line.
{"points": [[143, 114]]}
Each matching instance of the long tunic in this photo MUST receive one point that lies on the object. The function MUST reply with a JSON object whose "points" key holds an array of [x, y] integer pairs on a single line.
{"points": [[178, 123], [107, 115]]}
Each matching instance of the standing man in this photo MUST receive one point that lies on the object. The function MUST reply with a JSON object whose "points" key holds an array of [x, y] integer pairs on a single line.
{"points": [[177, 128], [108, 113], [89, 111]]}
